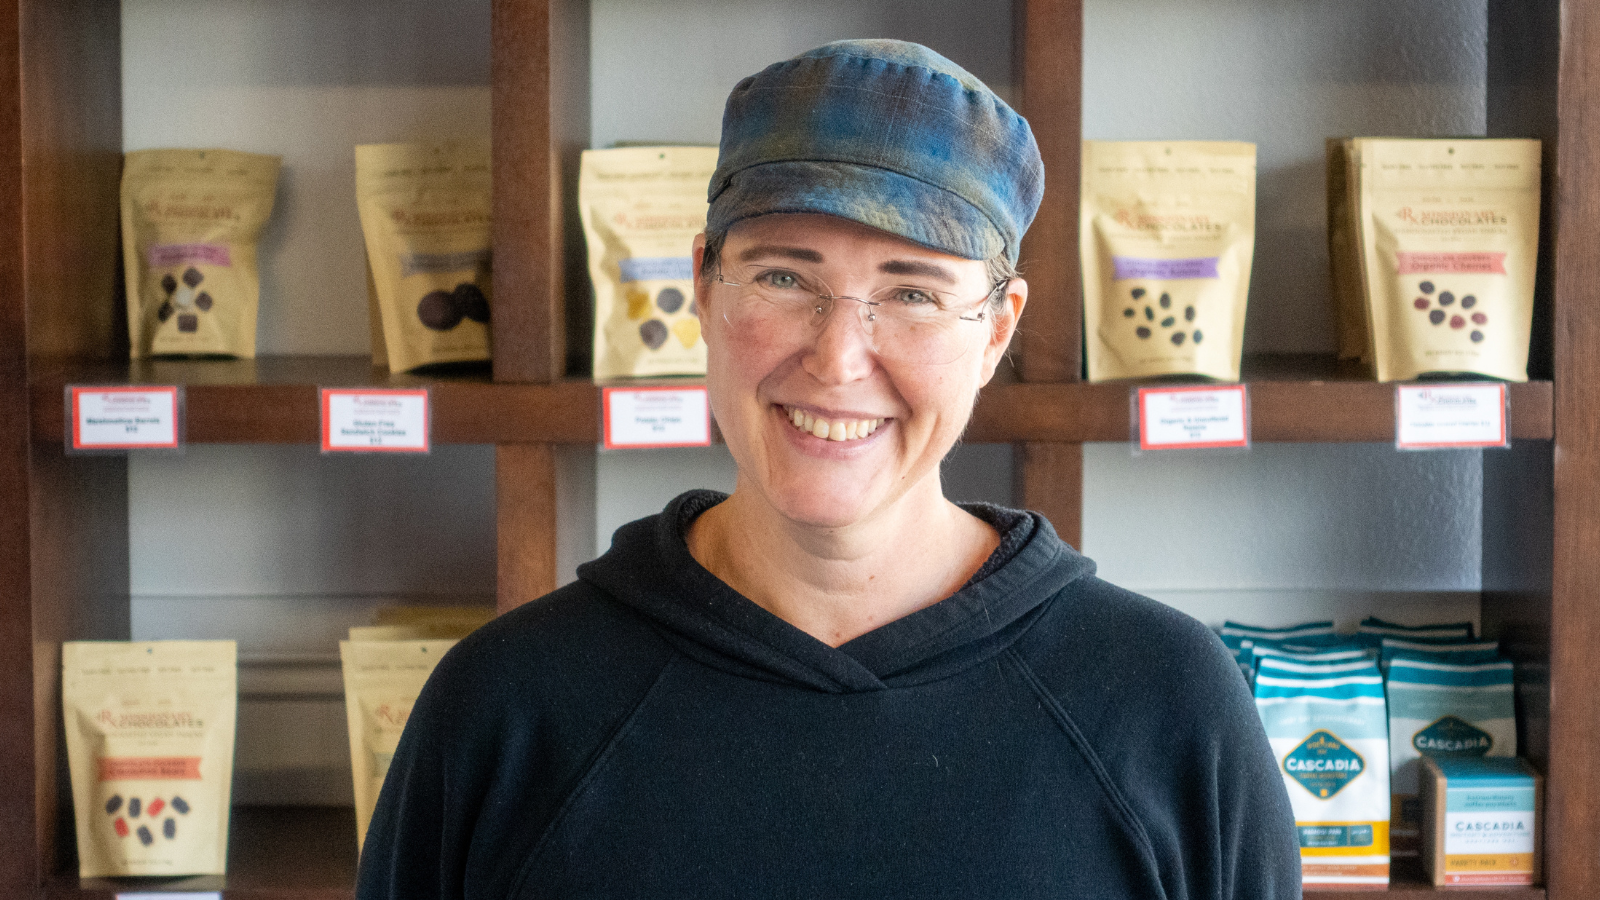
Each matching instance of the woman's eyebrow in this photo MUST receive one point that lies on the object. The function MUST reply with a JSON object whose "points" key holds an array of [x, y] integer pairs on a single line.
{"points": [[761, 251], [917, 267]]}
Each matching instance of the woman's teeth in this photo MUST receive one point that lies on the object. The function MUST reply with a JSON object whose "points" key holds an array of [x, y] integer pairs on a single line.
{"points": [[834, 430]]}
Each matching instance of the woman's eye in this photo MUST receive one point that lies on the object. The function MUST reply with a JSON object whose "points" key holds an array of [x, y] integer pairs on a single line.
{"points": [[911, 296]]}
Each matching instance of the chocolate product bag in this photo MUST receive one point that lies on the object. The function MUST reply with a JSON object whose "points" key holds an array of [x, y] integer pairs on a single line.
{"points": [[150, 728], [1167, 237], [190, 221], [425, 213], [641, 208], [1443, 709], [1327, 726], [1449, 241], [1344, 252], [382, 680]]}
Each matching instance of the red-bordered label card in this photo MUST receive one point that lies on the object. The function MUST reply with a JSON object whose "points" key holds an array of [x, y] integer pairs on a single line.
{"points": [[124, 417], [1193, 418], [649, 417], [375, 420], [1451, 416]]}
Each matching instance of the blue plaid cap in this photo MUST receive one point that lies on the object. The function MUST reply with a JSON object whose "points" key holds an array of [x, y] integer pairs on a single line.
{"points": [[886, 133]]}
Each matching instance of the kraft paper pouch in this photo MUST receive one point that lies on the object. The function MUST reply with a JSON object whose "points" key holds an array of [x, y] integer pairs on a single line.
{"points": [[641, 208], [150, 729], [425, 213], [1449, 241], [382, 680], [1443, 710], [190, 221], [1344, 252], [1167, 237], [1327, 726]]}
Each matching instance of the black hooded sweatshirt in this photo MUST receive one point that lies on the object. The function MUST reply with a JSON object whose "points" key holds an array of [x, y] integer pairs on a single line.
{"points": [[647, 732]]}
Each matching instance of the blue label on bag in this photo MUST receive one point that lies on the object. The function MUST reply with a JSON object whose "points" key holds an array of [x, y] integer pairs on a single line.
{"points": [[656, 268]]}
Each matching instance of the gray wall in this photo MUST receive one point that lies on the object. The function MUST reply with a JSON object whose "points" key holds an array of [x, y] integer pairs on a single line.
{"points": [[284, 548]]}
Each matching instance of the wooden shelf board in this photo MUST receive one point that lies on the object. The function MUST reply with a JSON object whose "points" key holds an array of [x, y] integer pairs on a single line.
{"points": [[274, 853], [273, 400]]}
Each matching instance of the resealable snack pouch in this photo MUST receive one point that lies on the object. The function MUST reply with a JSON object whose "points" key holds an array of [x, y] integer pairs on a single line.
{"points": [[382, 680], [1344, 251], [425, 212], [1449, 242], [150, 731], [641, 209], [1443, 710], [1327, 726], [190, 222], [1374, 630], [1167, 237]]}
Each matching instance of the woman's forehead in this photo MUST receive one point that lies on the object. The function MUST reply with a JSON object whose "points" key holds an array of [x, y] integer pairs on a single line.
{"points": [[810, 238]]}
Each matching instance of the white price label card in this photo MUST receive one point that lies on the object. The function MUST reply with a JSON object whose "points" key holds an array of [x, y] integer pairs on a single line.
{"points": [[375, 420], [648, 417], [172, 895], [123, 418], [1439, 416], [1193, 418]]}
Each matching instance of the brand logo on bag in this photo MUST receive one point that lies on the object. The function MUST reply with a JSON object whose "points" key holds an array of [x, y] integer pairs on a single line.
{"points": [[1451, 736], [1144, 221], [169, 719], [1323, 764], [1450, 216]]}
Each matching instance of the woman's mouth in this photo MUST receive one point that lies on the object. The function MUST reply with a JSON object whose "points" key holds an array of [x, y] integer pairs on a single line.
{"points": [[832, 429]]}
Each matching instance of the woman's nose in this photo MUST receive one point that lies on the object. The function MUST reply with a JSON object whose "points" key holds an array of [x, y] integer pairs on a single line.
{"points": [[842, 350]]}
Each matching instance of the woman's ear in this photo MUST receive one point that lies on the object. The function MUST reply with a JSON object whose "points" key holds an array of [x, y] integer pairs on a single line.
{"points": [[1006, 314]]}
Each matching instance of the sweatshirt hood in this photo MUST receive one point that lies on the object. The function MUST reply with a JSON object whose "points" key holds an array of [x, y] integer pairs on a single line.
{"points": [[650, 570]]}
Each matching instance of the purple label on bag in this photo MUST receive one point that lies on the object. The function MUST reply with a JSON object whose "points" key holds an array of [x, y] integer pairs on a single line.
{"points": [[657, 268], [166, 255], [1164, 269]]}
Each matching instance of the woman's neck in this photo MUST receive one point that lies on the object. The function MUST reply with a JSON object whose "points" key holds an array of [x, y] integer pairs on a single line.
{"points": [[837, 584]]}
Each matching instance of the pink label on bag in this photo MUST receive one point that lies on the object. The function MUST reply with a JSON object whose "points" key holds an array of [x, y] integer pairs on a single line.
{"points": [[1452, 263], [1164, 269], [164, 255]]}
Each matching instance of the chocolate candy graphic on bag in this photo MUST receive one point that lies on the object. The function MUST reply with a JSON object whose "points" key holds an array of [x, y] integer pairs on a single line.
{"points": [[469, 298], [181, 805], [192, 276], [203, 302], [154, 808], [113, 804], [188, 322], [133, 808], [145, 837], [653, 333], [670, 300], [438, 311], [170, 828]]}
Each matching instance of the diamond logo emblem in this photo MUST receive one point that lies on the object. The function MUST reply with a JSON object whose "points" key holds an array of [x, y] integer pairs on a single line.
{"points": [[1323, 764], [1451, 736]]}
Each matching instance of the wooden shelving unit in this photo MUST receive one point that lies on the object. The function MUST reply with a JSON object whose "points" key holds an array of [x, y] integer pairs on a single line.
{"points": [[63, 520]]}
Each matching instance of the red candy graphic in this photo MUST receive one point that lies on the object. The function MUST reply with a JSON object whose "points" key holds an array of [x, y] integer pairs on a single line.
{"points": [[121, 826], [1457, 322], [1420, 303], [155, 807]]}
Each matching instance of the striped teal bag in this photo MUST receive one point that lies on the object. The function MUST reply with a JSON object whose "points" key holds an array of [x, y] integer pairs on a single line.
{"points": [[1328, 728]]}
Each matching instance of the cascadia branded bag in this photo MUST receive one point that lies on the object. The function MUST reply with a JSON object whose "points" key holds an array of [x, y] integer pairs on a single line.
{"points": [[1443, 710], [1254, 653], [1167, 237], [1239, 638], [1328, 729], [641, 209], [1448, 652], [1449, 238], [150, 730], [425, 213], [382, 680], [190, 222], [1373, 630]]}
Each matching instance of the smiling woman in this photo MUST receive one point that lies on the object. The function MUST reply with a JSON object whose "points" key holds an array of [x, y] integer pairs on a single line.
{"points": [[834, 681]]}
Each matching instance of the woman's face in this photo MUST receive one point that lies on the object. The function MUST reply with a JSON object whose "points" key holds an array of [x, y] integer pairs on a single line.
{"points": [[888, 423]]}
